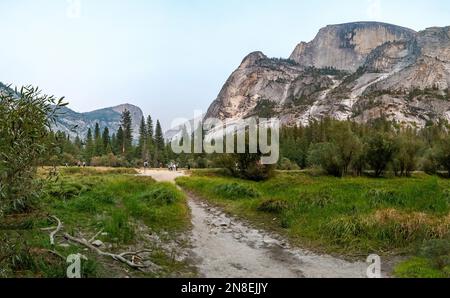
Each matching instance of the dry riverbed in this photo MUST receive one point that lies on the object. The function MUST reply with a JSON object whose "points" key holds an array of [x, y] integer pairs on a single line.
{"points": [[224, 246]]}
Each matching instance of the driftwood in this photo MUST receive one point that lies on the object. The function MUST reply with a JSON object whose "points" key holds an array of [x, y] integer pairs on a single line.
{"points": [[95, 236], [118, 257], [52, 234]]}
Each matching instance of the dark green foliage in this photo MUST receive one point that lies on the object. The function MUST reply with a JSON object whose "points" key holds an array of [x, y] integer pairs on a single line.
{"points": [[160, 195], [273, 206], [90, 147], [142, 149], [379, 150], [236, 191], [438, 252], [326, 155], [127, 146], [26, 116]]}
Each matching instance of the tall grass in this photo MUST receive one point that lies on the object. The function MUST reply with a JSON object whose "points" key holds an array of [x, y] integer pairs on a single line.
{"points": [[346, 215]]}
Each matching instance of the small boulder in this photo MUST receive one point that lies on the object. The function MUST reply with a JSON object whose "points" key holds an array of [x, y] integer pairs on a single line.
{"points": [[97, 243]]}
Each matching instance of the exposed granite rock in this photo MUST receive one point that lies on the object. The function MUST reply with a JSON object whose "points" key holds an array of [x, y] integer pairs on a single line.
{"points": [[346, 46], [77, 124], [357, 71]]}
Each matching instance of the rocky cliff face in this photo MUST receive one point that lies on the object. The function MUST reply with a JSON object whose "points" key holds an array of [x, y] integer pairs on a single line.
{"points": [[74, 123], [346, 46], [354, 71]]}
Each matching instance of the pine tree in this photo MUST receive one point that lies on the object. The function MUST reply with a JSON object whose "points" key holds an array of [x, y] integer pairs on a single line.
{"points": [[99, 148], [106, 140], [114, 145], [78, 147], [159, 144], [141, 151], [127, 134], [119, 141], [150, 141], [89, 148], [150, 129], [159, 137]]}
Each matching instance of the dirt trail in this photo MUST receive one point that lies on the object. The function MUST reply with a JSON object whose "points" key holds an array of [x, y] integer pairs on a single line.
{"points": [[224, 246]]}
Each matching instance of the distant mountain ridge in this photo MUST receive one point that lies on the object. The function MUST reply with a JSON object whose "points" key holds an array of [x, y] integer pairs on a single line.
{"points": [[77, 124]]}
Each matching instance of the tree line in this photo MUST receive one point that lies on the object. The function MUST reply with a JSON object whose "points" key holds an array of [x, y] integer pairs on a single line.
{"points": [[380, 146], [338, 148], [101, 148]]}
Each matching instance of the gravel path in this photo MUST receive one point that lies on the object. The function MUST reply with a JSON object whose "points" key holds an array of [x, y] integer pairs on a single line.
{"points": [[224, 246]]}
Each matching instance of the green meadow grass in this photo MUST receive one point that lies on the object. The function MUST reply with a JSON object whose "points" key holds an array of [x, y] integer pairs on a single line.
{"points": [[89, 200], [349, 216]]}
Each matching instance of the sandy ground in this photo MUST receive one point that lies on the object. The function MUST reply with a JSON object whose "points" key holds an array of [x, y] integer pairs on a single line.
{"points": [[224, 246]]}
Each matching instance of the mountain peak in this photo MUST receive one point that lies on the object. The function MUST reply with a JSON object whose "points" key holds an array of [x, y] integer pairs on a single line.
{"points": [[77, 124], [359, 71], [346, 46], [252, 58]]}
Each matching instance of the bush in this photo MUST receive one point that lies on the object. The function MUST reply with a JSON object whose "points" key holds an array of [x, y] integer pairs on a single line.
{"points": [[67, 190], [109, 160], [24, 122], [429, 162], [236, 190], [161, 195], [273, 206], [380, 149], [288, 165], [326, 156]]}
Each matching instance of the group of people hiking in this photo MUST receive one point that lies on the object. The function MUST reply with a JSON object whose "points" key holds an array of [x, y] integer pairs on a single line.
{"points": [[173, 167]]}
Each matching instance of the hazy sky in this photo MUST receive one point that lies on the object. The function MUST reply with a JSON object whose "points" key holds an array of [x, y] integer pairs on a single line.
{"points": [[168, 57]]}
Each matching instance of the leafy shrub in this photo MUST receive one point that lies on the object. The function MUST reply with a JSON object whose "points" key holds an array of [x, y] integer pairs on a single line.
{"points": [[327, 157], [379, 149], [109, 160], [163, 194], [273, 206], [26, 115], [236, 190], [287, 165]]}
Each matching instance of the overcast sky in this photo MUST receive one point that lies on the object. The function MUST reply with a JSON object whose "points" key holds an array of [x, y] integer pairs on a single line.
{"points": [[168, 57]]}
